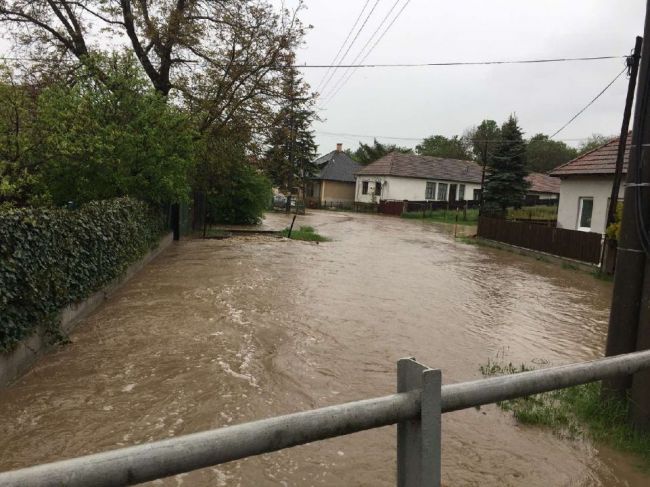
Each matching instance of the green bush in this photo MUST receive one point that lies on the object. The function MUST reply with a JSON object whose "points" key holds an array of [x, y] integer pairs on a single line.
{"points": [[242, 197], [50, 258]]}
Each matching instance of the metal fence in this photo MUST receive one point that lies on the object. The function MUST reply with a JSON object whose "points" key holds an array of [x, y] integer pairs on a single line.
{"points": [[416, 409], [583, 246]]}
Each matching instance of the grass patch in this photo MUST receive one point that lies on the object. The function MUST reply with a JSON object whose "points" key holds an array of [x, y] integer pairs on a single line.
{"points": [[602, 276], [444, 216], [533, 213], [305, 233], [575, 412]]}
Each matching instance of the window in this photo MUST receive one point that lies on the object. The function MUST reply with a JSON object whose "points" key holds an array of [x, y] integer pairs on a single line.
{"points": [[461, 192], [442, 191], [477, 194], [378, 189], [584, 216], [364, 187], [430, 193]]}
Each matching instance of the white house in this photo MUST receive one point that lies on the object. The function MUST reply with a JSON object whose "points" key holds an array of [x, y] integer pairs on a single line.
{"points": [[398, 176], [586, 186]]}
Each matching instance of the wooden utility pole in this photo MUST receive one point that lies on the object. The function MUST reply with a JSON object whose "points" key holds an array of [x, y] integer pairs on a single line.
{"points": [[631, 258], [633, 65]]}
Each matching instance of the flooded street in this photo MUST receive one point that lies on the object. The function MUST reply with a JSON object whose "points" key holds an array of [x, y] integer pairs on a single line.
{"points": [[218, 332]]}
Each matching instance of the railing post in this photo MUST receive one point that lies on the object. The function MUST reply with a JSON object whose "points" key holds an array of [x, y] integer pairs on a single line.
{"points": [[418, 440]]}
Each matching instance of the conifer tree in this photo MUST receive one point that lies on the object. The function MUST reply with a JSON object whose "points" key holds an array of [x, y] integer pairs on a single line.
{"points": [[506, 183]]}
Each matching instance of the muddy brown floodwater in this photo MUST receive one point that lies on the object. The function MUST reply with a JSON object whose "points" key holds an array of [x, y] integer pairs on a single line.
{"points": [[218, 332]]}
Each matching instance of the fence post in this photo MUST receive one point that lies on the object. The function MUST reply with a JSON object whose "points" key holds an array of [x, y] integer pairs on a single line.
{"points": [[418, 440]]}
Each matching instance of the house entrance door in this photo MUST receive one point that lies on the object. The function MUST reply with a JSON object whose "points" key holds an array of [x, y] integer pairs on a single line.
{"points": [[453, 188]]}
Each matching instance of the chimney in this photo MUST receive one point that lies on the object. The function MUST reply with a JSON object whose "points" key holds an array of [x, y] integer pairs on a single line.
{"points": [[339, 147]]}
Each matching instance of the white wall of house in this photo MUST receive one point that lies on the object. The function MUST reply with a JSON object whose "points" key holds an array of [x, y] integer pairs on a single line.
{"points": [[412, 189], [575, 188]]}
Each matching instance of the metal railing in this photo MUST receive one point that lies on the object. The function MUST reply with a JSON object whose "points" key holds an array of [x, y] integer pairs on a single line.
{"points": [[416, 409]]}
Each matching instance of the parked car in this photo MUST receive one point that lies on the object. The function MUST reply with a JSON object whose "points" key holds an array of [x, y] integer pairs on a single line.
{"points": [[279, 200]]}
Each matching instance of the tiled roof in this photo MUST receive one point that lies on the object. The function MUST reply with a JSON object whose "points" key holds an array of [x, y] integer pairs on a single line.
{"points": [[337, 166], [423, 167], [601, 160], [541, 183]]}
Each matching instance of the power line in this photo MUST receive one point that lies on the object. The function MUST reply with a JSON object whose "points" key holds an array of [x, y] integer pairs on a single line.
{"points": [[419, 139], [372, 48], [589, 104], [347, 38], [381, 24], [388, 65], [356, 36]]}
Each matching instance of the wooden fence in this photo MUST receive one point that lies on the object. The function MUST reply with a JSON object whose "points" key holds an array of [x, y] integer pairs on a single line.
{"points": [[583, 246]]}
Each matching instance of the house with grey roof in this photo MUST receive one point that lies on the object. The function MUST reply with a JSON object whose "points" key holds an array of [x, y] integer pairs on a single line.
{"points": [[335, 181], [412, 177]]}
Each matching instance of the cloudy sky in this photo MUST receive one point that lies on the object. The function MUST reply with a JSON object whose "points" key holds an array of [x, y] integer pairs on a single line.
{"points": [[411, 103]]}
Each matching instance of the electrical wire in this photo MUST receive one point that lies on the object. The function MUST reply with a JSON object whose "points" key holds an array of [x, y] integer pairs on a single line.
{"points": [[589, 104], [347, 38], [391, 65], [371, 49], [369, 40], [356, 36]]}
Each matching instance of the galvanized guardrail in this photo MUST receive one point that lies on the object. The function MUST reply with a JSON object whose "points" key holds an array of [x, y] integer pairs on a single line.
{"points": [[416, 409]]}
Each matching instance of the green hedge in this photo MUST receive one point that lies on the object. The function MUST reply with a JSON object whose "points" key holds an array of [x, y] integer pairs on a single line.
{"points": [[50, 258]]}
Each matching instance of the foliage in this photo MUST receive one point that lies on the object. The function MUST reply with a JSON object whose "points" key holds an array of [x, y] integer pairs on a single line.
{"points": [[594, 142], [505, 184], [93, 141], [220, 59], [50, 258], [544, 154], [575, 412], [484, 139], [533, 213], [366, 153], [241, 198], [305, 233], [614, 230], [445, 216], [440, 146], [289, 159]]}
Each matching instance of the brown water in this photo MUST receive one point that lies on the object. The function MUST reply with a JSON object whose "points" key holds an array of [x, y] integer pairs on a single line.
{"points": [[218, 332]]}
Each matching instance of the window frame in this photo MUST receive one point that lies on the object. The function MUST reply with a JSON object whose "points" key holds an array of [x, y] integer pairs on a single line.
{"points": [[364, 187], [446, 191], [581, 201], [432, 195]]}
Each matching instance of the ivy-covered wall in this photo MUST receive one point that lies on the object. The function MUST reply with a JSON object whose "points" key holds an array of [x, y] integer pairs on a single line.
{"points": [[51, 258]]}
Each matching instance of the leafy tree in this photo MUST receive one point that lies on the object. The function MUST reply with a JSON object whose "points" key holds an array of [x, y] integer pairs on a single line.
{"points": [[484, 139], [17, 140], [366, 153], [93, 141], [242, 197], [440, 146], [506, 185], [291, 152], [593, 142], [543, 154], [220, 59]]}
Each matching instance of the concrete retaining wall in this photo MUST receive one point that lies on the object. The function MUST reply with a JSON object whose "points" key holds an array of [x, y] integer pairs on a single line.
{"points": [[17, 362]]}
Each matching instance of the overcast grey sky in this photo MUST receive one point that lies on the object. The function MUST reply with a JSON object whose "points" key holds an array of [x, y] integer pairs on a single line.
{"points": [[416, 102]]}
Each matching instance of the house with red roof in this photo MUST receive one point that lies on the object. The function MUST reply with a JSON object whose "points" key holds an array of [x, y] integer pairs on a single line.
{"points": [[586, 186]]}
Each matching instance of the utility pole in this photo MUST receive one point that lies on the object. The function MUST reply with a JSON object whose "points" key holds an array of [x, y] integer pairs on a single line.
{"points": [[484, 161], [633, 65], [631, 258]]}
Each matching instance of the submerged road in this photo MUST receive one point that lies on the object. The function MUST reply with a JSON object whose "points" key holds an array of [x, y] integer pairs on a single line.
{"points": [[218, 332]]}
